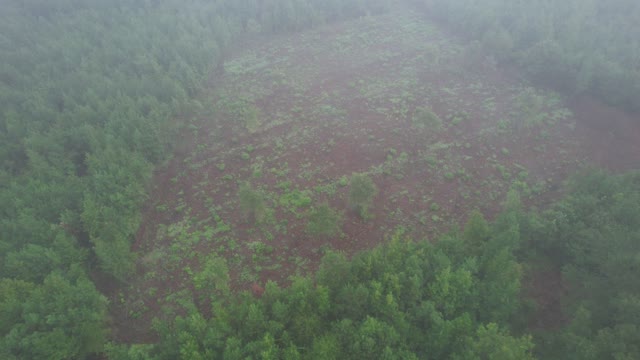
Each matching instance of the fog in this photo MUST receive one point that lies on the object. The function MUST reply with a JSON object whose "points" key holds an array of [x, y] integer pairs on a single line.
{"points": [[307, 179]]}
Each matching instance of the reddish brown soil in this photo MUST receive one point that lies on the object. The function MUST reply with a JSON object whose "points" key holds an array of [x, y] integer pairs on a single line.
{"points": [[331, 146]]}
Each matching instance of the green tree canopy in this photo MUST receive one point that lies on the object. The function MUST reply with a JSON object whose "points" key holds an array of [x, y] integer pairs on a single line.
{"points": [[252, 203], [361, 193]]}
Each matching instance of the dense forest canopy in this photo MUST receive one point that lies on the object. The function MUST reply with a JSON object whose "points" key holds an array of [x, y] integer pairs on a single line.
{"points": [[91, 97], [576, 45]]}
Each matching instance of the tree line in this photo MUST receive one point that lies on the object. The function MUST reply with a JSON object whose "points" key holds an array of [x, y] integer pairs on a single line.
{"points": [[580, 46], [459, 297]]}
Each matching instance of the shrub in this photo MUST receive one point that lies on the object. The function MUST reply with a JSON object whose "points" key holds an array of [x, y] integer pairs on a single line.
{"points": [[426, 118], [324, 221], [252, 203], [293, 200], [361, 194]]}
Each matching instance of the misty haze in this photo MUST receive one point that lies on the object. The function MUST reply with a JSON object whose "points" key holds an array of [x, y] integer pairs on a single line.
{"points": [[319, 179]]}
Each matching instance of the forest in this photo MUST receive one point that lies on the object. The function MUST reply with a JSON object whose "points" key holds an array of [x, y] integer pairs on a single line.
{"points": [[578, 46], [315, 179]]}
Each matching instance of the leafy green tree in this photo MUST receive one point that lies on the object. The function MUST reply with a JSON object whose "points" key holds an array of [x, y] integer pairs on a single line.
{"points": [[34, 262], [251, 118], [334, 271], [213, 279], [452, 291], [326, 347], [129, 352], [60, 319], [13, 294], [252, 203], [476, 233], [372, 339], [493, 343], [361, 193]]}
